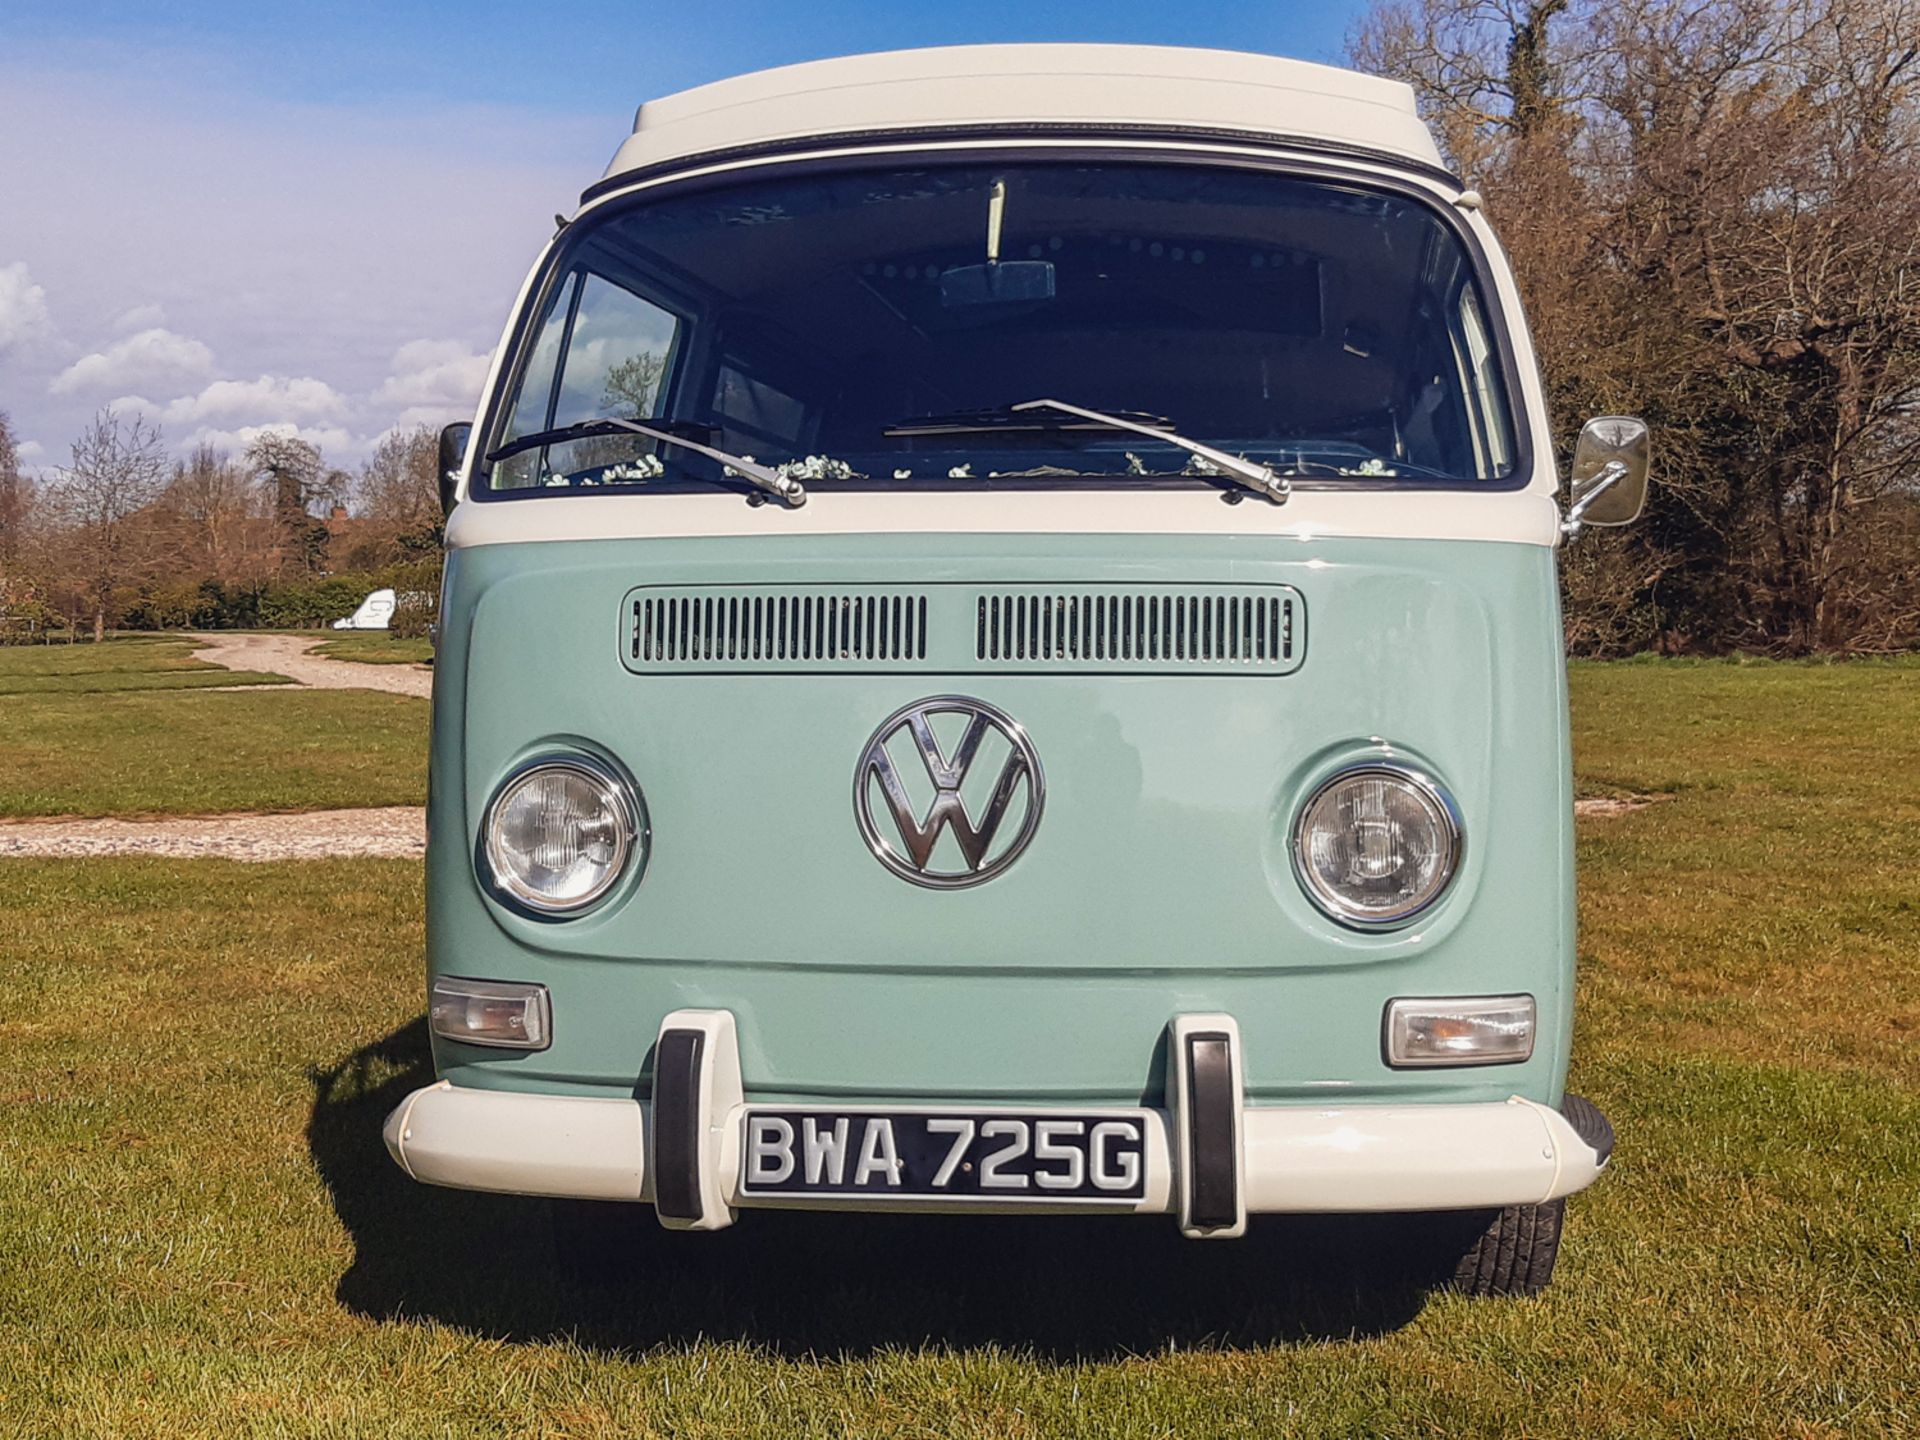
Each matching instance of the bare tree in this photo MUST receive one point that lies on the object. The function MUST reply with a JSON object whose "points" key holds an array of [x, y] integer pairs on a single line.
{"points": [[295, 478], [118, 470], [633, 386], [216, 529], [1714, 209], [14, 496], [399, 492]]}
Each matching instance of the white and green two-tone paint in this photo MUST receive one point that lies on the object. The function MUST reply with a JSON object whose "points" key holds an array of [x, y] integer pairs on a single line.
{"points": [[1000, 651]]}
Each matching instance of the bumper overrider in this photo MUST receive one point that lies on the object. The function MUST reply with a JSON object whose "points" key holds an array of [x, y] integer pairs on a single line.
{"points": [[1206, 1157]]}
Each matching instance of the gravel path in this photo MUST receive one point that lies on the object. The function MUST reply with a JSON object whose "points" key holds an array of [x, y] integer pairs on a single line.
{"points": [[1614, 804], [287, 655], [396, 832]]}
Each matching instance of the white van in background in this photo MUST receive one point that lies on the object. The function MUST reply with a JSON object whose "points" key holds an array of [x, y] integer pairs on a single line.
{"points": [[375, 613]]}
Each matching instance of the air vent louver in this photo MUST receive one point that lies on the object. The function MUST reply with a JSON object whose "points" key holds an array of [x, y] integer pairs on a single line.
{"points": [[715, 628], [1163, 629], [956, 628]]}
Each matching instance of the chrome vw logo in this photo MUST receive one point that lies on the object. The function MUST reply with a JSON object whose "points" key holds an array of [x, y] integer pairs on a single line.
{"points": [[917, 802]]}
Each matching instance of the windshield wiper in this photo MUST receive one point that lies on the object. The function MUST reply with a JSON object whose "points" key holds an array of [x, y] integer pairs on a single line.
{"points": [[776, 484], [1215, 463], [1250, 473]]}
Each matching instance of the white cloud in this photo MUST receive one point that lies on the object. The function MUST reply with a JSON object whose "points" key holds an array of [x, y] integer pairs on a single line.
{"points": [[231, 414], [332, 439], [29, 450], [293, 281], [153, 357], [269, 400], [23, 308], [432, 381], [141, 317]]}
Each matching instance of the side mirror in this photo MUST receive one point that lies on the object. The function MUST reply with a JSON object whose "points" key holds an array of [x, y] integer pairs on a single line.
{"points": [[1608, 485], [453, 458]]}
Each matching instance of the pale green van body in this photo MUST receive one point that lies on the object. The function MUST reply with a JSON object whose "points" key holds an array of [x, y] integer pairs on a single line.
{"points": [[1159, 882], [1151, 953]]}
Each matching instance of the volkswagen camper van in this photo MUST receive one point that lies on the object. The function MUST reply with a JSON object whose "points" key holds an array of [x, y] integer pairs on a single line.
{"points": [[1000, 653]]}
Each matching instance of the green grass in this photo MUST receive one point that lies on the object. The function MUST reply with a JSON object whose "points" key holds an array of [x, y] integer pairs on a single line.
{"points": [[126, 727], [147, 662], [376, 647], [1775, 896], [203, 1236]]}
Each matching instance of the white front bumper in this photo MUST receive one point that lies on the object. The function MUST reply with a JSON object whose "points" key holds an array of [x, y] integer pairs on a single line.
{"points": [[1293, 1158]]}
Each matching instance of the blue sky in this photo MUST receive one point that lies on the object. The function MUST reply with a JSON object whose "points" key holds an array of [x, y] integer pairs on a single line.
{"points": [[234, 215]]}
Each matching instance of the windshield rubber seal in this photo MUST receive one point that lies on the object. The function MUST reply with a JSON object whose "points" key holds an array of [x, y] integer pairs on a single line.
{"points": [[1004, 143]]}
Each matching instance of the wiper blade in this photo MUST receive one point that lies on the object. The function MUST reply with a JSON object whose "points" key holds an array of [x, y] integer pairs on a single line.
{"points": [[780, 486], [581, 429], [1003, 419], [1251, 473]]}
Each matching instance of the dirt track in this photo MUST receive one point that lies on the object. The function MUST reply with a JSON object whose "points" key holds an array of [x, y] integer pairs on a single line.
{"points": [[287, 655], [395, 832], [398, 832]]}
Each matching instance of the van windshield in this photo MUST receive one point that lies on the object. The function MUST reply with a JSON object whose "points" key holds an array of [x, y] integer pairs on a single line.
{"points": [[878, 327]]}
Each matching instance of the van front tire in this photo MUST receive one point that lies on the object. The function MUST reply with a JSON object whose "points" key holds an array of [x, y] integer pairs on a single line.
{"points": [[1513, 1252]]}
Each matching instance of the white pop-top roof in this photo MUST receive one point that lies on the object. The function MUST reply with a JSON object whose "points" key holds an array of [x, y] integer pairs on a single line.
{"points": [[1142, 86]]}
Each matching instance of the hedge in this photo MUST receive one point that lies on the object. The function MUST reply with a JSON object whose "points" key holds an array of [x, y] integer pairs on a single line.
{"points": [[275, 605]]}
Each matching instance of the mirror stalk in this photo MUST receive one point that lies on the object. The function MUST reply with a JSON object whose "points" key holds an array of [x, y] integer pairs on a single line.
{"points": [[1610, 475]]}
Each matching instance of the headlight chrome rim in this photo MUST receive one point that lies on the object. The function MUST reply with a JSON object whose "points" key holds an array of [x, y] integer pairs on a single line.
{"points": [[1451, 824], [633, 836]]}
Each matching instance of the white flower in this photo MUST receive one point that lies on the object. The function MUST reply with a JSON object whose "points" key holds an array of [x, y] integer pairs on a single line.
{"points": [[1373, 466], [641, 467], [815, 467]]}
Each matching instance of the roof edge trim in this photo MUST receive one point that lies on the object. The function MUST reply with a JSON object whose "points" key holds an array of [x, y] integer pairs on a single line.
{"points": [[1015, 131]]}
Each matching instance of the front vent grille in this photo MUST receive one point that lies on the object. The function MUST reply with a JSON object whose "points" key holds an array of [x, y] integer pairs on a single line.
{"points": [[958, 629], [1165, 628], [723, 628]]}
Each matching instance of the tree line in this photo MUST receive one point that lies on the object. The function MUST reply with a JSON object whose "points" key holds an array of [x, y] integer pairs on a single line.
{"points": [[124, 535], [1713, 207]]}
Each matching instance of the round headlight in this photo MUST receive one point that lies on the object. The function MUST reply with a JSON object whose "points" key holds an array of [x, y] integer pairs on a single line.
{"points": [[558, 834], [1376, 845]]}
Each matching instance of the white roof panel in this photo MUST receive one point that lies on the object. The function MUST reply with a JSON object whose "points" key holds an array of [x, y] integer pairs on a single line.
{"points": [[1142, 86]]}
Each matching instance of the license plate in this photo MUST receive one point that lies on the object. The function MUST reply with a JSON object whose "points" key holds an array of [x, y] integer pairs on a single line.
{"points": [[987, 1156]]}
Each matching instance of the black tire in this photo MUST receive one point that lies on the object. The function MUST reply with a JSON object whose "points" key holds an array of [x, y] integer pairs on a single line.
{"points": [[1513, 1253]]}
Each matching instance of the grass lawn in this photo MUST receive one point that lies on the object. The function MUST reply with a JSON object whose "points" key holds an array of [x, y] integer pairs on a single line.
{"points": [[376, 647], [106, 730], [129, 662], [203, 1235]]}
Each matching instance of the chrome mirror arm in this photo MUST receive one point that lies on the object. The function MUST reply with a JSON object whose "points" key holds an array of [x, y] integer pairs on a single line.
{"points": [[1608, 476]]}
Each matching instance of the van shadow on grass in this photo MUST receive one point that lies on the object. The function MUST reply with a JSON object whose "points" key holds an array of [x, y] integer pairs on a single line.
{"points": [[822, 1285]]}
